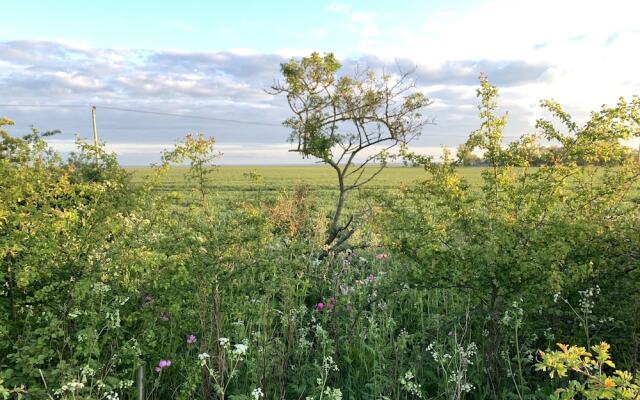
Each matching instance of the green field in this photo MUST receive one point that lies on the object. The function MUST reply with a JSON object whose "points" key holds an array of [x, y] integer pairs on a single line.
{"points": [[232, 179], [233, 182]]}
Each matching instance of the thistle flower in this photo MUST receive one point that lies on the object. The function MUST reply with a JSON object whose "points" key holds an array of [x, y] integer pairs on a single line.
{"points": [[320, 306], [191, 339]]}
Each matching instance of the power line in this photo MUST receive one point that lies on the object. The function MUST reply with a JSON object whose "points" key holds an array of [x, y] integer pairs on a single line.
{"points": [[236, 121], [133, 110], [199, 117]]}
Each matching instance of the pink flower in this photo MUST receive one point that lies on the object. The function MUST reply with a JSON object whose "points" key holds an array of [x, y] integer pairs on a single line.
{"points": [[382, 256], [319, 306], [158, 369], [332, 302], [191, 339], [164, 316]]}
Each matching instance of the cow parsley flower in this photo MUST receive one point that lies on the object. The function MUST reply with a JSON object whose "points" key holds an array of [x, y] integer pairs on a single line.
{"points": [[240, 349], [256, 394]]}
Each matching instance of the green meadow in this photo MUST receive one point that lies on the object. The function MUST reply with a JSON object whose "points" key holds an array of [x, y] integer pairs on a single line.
{"points": [[320, 178]]}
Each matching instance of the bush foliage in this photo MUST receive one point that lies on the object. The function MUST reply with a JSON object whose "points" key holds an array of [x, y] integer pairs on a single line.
{"points": [[450, 291]]}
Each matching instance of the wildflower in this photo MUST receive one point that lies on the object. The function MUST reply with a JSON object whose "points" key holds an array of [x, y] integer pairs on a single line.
{"points": [[162, 365], [609, 383], [203, 356], [164, 316], [382, 256], [332, 302], [191, 339], [450, 333], [320, 306], [240, 349], [223, 341], [256, 394]]}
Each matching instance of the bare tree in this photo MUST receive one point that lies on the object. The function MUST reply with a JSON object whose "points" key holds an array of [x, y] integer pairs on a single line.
{"points": [[349, 122]]}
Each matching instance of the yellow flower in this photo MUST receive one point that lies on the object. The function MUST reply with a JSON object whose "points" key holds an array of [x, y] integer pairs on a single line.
{"points": [[609, 383]]}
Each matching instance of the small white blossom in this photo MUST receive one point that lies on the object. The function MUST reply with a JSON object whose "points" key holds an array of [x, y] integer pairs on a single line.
{"points": [[240, 349], [256, 393]]}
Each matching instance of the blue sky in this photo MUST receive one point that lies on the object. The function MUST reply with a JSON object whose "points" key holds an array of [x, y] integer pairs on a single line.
{"points": [[215, 59], [264, 26]]}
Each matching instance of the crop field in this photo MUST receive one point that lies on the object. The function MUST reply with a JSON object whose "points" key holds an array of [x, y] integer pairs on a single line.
{"points": [[322, 179], [228, 182]]}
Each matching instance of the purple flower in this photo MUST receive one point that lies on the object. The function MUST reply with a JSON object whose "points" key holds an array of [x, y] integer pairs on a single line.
{"points": [[332, 302], [191, 339], [450, 333], [320, 306], [162, 365]]}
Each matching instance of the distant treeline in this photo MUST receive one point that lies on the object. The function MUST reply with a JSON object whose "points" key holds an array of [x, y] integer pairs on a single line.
{"points": [[539, 156]]}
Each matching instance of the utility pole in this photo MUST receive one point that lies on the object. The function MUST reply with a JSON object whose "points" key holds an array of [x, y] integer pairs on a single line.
{"points": [[95, 131]]}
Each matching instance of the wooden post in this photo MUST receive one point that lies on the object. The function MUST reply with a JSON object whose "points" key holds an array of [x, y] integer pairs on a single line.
{"points": [[140, 382], [95, 131]]}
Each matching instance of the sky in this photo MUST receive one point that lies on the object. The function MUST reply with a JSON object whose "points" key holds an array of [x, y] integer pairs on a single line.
{"points": [[215, 59]]}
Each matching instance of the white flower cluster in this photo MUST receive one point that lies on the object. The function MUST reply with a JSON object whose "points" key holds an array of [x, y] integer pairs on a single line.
{"points": [[240, 349], [72, 387], [256, 394], [329, 365], [411, 387], [332, 394], [112, 396], [587, 301]]}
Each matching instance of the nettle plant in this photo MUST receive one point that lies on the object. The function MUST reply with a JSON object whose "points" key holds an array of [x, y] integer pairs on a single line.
{"points": [[348, 122]]}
